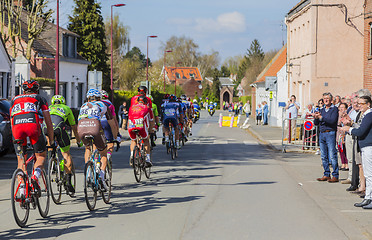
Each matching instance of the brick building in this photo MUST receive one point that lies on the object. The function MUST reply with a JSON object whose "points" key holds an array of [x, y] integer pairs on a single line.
{"points": [[367, 56]]}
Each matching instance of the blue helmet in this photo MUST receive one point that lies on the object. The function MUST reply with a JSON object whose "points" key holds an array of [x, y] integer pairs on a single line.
{"points": [[93, 93]]}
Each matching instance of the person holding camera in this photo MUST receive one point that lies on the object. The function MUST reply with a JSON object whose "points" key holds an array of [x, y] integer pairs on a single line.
{"points": [[292, 113], [327, 119]]}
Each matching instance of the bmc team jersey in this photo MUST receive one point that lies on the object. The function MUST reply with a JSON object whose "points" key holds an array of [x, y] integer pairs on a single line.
{"points": [[133, 101], [64, 112], [25, 120], [93, 110]]}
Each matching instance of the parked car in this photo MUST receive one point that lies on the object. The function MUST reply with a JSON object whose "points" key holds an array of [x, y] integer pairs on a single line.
{"points": [[6, 139]]}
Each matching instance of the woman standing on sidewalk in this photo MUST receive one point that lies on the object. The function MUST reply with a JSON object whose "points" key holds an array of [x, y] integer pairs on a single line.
{"points": [[364, 134], [341, 137]]}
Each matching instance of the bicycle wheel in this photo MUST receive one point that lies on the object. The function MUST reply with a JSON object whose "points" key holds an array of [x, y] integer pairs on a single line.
{"points": [[20, 207], [73, 180], [172, 149], [90, 191], [54, 179], [108, 176], [147, 170], [137, 164], [43, 201]]}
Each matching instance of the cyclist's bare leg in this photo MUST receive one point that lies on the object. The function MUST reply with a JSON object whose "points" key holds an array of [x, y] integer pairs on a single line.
{"points": [[87, 153], [110, 147], [177, 133], [103, 154], [20, 163], [68, 162], [132, 145], [40, 159], [147, 145]]}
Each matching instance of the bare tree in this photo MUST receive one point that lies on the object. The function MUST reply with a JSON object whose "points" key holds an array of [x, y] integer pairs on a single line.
{"points": [[37, 21], [10, 15]]}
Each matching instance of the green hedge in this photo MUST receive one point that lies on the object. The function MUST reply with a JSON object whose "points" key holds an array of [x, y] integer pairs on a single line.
{"points": [[121, 96], [45, 81], [244, 99]]}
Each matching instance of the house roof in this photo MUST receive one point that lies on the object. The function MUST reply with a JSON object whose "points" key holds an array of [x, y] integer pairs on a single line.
{"points": [[274, 66], [299, 6], [183, 74]]}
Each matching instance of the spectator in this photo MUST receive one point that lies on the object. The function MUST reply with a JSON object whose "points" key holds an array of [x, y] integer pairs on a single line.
{"points": [[310, 136], [352, 153], [364, 134], [327, 119], [320, 103], [247, 109], [123, 115], [342, 114], [292, 113], [337, 101], [258, 114], [265, 110]]}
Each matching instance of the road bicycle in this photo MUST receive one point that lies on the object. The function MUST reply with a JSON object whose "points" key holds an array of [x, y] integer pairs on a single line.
{"points": [[171, 145], [24, 194], [92, 180], [139, 158], [58, 177]]}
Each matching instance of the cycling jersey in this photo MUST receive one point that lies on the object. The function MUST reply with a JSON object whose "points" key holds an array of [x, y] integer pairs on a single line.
{"points": [[133, 101], [138, 119], [155, 110], [105, 125], [25, 120], [60, 114], [110, 107], [94, 110], [196, 106], [171, 113]]}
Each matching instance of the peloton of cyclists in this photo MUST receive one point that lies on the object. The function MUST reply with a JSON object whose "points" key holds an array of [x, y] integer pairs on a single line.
{"points": [[61, 116], [90, 116], [25, 123]]}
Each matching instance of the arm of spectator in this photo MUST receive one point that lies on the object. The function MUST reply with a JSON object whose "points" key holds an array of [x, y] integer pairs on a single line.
{"points": [[364, 127]]}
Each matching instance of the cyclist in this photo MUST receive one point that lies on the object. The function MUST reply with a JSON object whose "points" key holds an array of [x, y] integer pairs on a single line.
{"points": [[61, 115], [25, 123], [90, 116], [141, 118], [172, 111], [157, 124], [165, 100], [183, 122], [106, 127], [142, 90]]}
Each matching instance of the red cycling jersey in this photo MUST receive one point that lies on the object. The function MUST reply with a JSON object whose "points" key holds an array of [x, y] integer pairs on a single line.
{"points": [[133, 101], [25, 120], [139, 116]]}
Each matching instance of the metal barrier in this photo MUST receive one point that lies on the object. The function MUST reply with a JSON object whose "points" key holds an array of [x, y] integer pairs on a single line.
{"points": [[299, 132]]}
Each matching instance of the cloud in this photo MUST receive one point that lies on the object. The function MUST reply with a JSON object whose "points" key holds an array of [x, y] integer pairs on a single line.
{"points": [[227, 22]]}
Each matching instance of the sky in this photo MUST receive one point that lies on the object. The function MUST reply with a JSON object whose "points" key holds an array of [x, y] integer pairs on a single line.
{"points": [[224, 26]]}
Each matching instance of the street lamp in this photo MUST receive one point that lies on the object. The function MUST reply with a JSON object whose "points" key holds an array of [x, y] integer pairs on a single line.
{"points": [[56, 61], [112, 55], [167, 51], [147, 58], [175, 79]]}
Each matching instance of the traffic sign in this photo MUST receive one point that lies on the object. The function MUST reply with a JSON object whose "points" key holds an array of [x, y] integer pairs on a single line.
{"points": [[308, 125]]}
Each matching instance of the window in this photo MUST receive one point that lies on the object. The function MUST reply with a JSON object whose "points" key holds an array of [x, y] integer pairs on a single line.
{"points": [[178, 75], [80, 94], [370, 39], [69, 46], [63, 90]]}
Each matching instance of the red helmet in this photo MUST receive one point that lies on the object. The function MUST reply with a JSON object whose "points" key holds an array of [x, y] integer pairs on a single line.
{"points": [[30, 85], [166, 96], [142, 89]]}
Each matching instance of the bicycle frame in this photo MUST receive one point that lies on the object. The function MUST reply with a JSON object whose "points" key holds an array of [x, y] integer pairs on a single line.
{"points": [[25, 163]]}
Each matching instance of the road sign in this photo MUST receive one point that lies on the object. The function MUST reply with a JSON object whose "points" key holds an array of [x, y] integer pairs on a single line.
{"points": [[308, 125], [270, 83]]}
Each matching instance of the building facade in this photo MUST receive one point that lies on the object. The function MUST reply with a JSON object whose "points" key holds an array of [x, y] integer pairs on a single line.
{"points": [[325, 45]]}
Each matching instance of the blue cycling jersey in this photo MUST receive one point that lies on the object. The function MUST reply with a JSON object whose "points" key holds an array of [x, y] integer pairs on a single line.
{"points": [[196, 106], [171, 110]]}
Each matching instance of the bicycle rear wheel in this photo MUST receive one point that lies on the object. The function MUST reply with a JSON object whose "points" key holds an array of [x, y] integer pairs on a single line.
{"points": [[137, 164], [20, 207], [147, 170], [55, 181], [44, 200], [108, 176], [90, 191]]}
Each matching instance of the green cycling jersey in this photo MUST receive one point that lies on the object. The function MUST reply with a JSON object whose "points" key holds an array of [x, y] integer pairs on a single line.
{"points": [[155, 110], [64, 112]]}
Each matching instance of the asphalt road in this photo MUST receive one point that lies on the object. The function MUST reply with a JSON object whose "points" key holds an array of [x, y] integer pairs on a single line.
{"points": [[223, 185]]}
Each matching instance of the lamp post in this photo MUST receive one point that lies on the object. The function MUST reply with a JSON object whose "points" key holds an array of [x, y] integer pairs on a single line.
{"points": [[175, 79], [112, 55], [167, 51], [56, 61]]}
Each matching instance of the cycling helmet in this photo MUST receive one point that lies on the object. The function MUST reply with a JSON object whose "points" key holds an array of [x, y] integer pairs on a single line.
{"points": [[30, 85], [142, 99], [142, 89], [104, 94], [166, 96], [194, 101], [188, 99], [172, 98], [58, 99], [183, 97], [93, 93]]}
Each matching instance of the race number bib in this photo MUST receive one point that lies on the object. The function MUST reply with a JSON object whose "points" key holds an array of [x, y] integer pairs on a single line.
{"points": [[138, 123], [30, 107], [170, 112], [16, 109]]}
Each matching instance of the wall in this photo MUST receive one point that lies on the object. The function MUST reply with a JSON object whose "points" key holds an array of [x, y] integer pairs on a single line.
{"points": [[281, 95], [367, 57], [317, 57]]}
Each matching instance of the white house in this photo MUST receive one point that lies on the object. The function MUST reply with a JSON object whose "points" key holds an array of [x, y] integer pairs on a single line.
{"points": [[272, 86], [5, 71]]}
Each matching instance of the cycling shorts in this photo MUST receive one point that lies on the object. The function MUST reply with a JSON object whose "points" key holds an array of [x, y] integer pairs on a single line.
{"points": [[143, 132], [92, 127], [107, 130], [168, 120], [60, 134], [27, 125]]}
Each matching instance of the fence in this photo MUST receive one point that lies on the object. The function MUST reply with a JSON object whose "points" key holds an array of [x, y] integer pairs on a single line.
{"points": [[301, 133]]}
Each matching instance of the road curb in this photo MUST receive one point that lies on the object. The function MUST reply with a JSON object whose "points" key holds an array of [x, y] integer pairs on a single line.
{"points": [[257, 136]]}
